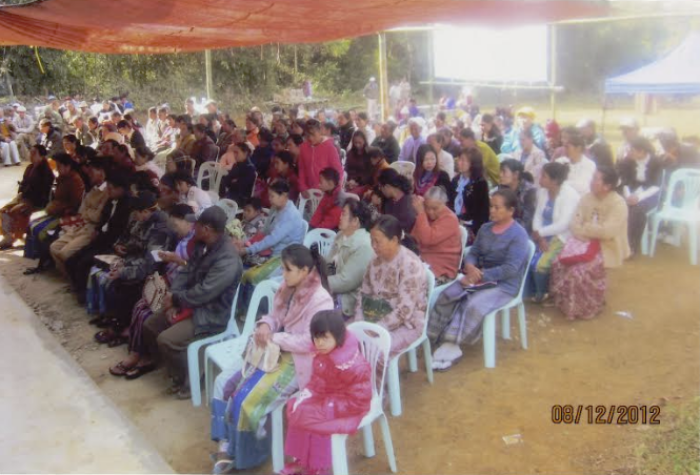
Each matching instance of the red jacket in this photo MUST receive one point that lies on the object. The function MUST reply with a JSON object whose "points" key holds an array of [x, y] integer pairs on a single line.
{"points": [[313, 159], [338, 395], [327, 215]]}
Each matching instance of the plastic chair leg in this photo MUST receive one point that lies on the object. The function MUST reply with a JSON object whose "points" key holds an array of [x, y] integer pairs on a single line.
{"points": [[505, 324], [412, 360], [339, 454], [645, 241], [394, 387], [654, 235], [523, 325], [489, 337], [277, 440], [388, 443], [428, 357], [368, 440], [693, 244], [193, 372], [208, 378]]}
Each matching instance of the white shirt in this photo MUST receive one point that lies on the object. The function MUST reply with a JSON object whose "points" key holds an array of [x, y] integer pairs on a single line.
{"points": [[152, 133], [197, 198], [580, 174], [640, 192], [23, 126]]}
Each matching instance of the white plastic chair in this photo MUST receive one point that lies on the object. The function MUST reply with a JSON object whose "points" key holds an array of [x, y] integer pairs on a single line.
{"points": [[228, 354], [375, 349], [404, 168], [489, 328], [323, 237], [194, 347], [306, 228], [489, 325], [687, 211], [352, 196], [393, 376], [314, 199], [213, 173], [229, 206]]}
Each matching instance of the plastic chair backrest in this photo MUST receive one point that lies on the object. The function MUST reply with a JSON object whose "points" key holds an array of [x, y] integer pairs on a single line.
{"points": [[431, 287], [351, 196], [464, 236], [232, 326], [229, 206], [264, 290], [314, 198], [206, 171], [531, 253], [306, 228], [375, 348], [323, 237], [689, 178], [404, 168]]}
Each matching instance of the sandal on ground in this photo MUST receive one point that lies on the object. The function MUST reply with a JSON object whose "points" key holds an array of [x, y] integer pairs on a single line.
{"points": [[174, 389], [139, 370], [98, 320], [443, 365], [104, 336], [33, 270], [120, 369], [183, 394], [223, 466], [118, 340]]}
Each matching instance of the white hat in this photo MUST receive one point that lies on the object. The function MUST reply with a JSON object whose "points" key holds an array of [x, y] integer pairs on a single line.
{"points": [[372, 79], [21, 109], [585, 123], [629, 123]]}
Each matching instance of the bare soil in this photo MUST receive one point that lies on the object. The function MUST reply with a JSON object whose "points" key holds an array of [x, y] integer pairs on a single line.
{"points": [[456, 425]]}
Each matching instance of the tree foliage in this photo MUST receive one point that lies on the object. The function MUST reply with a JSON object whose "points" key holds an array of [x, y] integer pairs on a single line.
{"points": [[587, 54]]}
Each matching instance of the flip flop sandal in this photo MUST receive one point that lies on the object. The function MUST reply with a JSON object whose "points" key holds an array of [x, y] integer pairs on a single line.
{"points": [[98, 320], [33, 270], [120, 369], [107, 322], [448, 364], [223, 466], [139, 370], [183, 394], [104, 336], [118, 341], [174, 389]]}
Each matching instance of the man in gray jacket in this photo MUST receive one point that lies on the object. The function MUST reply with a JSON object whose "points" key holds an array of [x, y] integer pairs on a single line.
{"points": [[204, 288]]}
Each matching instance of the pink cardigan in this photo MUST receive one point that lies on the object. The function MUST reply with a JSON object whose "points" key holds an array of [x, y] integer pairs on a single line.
{"points": [[313, 159], [308, 299], [439, 242]]}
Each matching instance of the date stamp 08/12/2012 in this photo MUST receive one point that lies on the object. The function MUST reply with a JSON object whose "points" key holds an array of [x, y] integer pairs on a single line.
{"points": [[608, 415]]}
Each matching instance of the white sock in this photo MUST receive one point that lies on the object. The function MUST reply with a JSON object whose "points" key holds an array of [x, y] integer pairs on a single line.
{"points": [[223, 446], [450, 351]]}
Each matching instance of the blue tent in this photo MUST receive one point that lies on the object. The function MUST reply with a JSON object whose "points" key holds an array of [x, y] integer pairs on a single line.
{"points": [[677, 73]]}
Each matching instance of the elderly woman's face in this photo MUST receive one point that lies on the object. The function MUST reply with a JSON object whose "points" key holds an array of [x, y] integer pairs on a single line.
{"points": [[415, 130], [498, 211], [433, 208], [383, 247]]}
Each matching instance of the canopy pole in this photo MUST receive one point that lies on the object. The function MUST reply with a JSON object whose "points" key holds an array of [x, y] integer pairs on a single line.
{"points": [[383, 80], [431, 69], [207, 69], [553, 70]]}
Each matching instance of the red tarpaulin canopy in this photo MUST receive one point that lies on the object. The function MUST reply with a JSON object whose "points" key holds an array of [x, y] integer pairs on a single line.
{"points": [[167, 26]]}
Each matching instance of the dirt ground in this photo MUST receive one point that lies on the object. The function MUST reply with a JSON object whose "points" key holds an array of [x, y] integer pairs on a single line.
{"points": [[456, 425]]}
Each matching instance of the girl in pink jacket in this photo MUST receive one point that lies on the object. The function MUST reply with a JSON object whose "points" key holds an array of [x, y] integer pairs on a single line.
{"points": [[334, 401], [238, 419]]}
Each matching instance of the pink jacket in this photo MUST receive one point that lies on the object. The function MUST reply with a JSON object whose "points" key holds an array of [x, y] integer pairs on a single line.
{"points": [[338, 395], [313, 159], [308, 299]]}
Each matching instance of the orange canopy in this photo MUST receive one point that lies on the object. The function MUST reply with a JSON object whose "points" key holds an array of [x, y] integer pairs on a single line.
{"points": [[166, 26]]}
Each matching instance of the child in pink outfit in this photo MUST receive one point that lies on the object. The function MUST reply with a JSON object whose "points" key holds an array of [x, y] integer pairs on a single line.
{"points": [[334, 401]]}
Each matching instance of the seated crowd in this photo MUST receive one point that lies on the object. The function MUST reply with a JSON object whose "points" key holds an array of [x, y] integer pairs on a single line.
{"points": [[488, 205]]}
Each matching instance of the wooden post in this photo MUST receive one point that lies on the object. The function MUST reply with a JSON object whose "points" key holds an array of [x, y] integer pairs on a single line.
{"points": [[383, 79], [207, 68], [553, 71]]}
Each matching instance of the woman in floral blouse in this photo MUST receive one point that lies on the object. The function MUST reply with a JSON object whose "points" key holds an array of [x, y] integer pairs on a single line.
{"points": [[394, 291]]}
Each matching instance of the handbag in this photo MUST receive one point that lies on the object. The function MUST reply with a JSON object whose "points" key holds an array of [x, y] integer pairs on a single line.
{"points": [[154, 291], [265, 359], [576, 251]]}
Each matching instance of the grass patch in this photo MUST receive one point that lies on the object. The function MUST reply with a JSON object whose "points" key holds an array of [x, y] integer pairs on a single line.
{"points": [[673, 447]]}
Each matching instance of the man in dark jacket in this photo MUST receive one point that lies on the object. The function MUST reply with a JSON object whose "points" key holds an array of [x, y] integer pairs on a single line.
{"points": [[205, 288], [346, 129], [388, 144], [113, 221], [134, 137]]}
